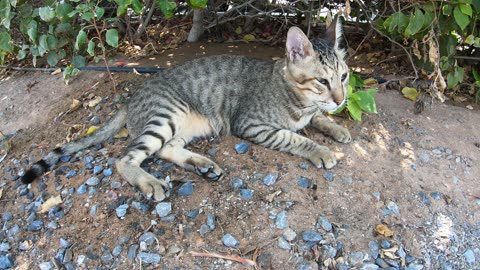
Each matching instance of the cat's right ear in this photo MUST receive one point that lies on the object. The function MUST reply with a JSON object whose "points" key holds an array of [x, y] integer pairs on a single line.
{"points": [[298, 45]]}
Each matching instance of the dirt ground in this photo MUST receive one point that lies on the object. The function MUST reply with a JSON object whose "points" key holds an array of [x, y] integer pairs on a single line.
{"points": [[416, 174]]}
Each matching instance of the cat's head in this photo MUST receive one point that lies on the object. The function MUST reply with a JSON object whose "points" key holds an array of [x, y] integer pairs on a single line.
{"points": [[317, 68]]}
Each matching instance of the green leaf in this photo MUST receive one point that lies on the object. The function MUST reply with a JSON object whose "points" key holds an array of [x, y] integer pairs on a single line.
{"points": [[5, 13], [78, 61], [410, 93], [63, 29], [447, 10], [466, 9], [46, 13], [196, 4], [476, 75], [21, 54], [122, 6], [25, 10], [91, 48], [81, 39], [354, 110], [42, 42], [53, 58], [166, 7], [453, 78], [461, 19], [99, 12], [5, 42], [397, 21], [62, 10], [137, 6], [32, 31], [416, 23], [366, 101], [112, 37], [355, 81], [87, 16]]}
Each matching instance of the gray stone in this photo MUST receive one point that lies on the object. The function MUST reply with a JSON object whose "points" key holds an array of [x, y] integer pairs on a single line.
{"points": [[283, 244], [36, 225], [149, 258], [204, 229], [132, 252], [304, 165], [329, 176], [324, 224], [289, 234], [121, 210], [246, 194], [393, 207], [355, 259], [4, 247], [369, 266], [304, 182], [469, 256], [92, 181], [311, 236], [414, 266], [186, 189], [270, 179], [45, 266], [211, 221], [230, 241], [242, 148], [281, 221], [374, 249], [6, 262], [106, 256], [329, 251], [148, 238], [116, 251], [115, 184], [193, 213], [236, 183], [385, 244], [65, 243], [163, 209]]}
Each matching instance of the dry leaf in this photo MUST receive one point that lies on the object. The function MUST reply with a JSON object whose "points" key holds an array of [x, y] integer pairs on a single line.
{"points": [[415, 49], [1, 192], [48, 204], [57, 71], [370, 81], [271, 196], [249, 37], [94, 102], [383, 230], [91, 130], [123, 133], [410, 93], [348, 9], [75, 105]]}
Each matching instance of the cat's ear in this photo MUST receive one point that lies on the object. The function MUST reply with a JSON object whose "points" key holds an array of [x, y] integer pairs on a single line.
{"points": [[334, 33], [298, 45]]}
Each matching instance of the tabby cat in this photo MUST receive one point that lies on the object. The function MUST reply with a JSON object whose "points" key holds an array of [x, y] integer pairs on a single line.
{"points": [[261, 101]]}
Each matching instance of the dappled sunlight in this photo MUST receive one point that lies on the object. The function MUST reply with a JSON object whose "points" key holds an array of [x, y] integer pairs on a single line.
{"points": [[7, 78], [408, 155], [359, 150]]}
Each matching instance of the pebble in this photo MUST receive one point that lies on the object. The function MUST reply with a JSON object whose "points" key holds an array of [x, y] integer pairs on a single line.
{"points": [[246, 194], [329, 251], [97, 169], [414, 266], [88, 159], [71, 174], [163, 209], [424, 198], [91, 191], [89, 166], [304, 165], [111, 161], [283, 244], [6, 262], [204, 229], [193, 214], [393, 207], [329, 176], [52, 225], [148, 238], [374, 249], [355, 258], [230, 241], [324, 224], [132, 252], [211, 221], [65, 158], [311, 236], [385, 244], [289, 234], [4, 247], [92, 181], [236, 183], [108, 172], [106, 256], [65, 243], [36, 225], [369, 266], [270, 179], [115, 184], [93, 210], [45, 266], [116, 251], [281, 221], [304, 182], [212, 152], [241, 148], [121, 210], [469, 256], [149, 258], [140, 206], [380, 262], [436, 195], [186, 189], [7, 216]]}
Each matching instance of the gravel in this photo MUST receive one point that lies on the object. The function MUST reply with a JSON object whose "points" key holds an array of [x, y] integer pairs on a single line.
{"points": [[242, 148], [281, 221], [311, 236], [374, 249], [121, 210], [270, 179], [149, 258], [35, 225], [230, 241], [163, 209], [132, 252], [289, 234], [236, 183], [324, 224], [329, 176], [469, 256], [97, 169], [304, 182], [211, 221], [108, 172], [186, 189], [6, 262], [92, 181], [193, 213], [246, 194], [283, 244]]}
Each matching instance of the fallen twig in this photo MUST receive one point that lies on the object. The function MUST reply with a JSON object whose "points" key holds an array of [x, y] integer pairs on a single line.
{"points": [[223, 256]]}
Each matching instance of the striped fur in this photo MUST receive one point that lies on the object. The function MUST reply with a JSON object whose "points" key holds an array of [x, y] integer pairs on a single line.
{"points": [[265, 102]]}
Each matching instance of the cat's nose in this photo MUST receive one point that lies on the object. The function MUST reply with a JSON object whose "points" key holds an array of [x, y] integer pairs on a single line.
{"points": [[338, 100]]}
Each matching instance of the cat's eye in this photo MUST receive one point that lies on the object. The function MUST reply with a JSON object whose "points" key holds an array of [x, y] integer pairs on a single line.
{"points": [[344, 76], [323, 81]]}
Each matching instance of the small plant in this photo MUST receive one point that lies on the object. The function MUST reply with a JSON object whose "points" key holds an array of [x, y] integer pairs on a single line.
{"points": [[358, 100], [476, 76]]}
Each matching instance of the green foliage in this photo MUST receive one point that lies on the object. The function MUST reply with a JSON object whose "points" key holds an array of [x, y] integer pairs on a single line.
{"points": [[358, 100], [167, 7], [476, 76], [442, 30]]}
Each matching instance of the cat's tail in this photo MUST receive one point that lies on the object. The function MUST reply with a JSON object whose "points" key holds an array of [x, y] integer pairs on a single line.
{"points": [[106, 131]]}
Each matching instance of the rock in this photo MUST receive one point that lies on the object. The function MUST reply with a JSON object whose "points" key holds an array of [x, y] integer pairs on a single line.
{"points": [[149, 258], [436, 195], [7, 216], [123, 239], [355, 258], [82, 189], [281, 221], [289, 234], [92, 181], [304, 165], [324, 224], [88, 159], [393, 207], [374, 249], [36, 225], [65, 158], [414, 266], [424, 198], [377, 195], [469, 256], [329, 252], [236, 183], [193, 214], [392, 262], [329, 176], [65, 243], [283, 244], [369, 266], [132, 252], [121, 210], [304, 182], [230, 241], [6, 262], [106, 256], [270, 179], [173, 250], [111, 161], [148, 238], [186, 189], [45, 266], [241, 148], [380, 262], [140, 206], [204, 229], [97, 169], [116, 251], [4, 247], [115, 185], [246, 194], [308, 266], [163, 209], [211, 221], [311, 236], [71, 174], [108, 172], [385, 244], [212, 152]]}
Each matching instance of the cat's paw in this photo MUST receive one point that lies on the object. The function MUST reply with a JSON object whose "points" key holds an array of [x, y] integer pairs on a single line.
{"points": [[340, 134], [206, 168], [322, 157], [151, 187]]}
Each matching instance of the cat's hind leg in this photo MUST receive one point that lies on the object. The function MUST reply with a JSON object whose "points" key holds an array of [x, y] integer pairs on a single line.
{"points": [[153, 137], [175, 152]]}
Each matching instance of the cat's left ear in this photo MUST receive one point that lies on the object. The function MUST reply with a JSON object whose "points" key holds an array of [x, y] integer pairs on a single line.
{"points": [[298, 45], [334, 33]]}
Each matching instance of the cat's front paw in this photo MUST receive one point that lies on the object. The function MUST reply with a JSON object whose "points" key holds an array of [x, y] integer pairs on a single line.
{"points": [[322, 157], [340, 134]]}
